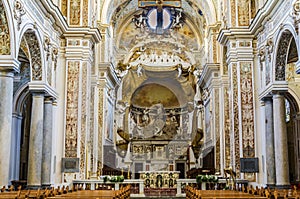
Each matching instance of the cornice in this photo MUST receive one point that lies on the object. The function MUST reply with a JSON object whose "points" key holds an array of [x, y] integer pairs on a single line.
{"points": [[262, 16], [61, 23], [233, 33], [84, 32], [206, 75], [9, 64], [273, 88], [111, 76], [42, 87]]}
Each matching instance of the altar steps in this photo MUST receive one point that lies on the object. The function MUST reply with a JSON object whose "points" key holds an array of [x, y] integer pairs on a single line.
{"points": [[160, 197]]}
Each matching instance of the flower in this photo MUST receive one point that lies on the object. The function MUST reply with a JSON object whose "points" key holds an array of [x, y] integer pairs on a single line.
{"points": [[206, 178], [113, 178]]}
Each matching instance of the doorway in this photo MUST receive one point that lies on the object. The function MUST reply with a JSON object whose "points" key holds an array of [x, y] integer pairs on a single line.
{"points": [[180, 166]]}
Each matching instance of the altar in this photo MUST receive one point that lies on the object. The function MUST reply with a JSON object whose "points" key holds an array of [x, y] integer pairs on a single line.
{"points": [[159, 179]]}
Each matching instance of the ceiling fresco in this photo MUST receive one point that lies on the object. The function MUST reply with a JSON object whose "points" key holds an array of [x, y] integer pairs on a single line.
{"points": [[148, 61]]}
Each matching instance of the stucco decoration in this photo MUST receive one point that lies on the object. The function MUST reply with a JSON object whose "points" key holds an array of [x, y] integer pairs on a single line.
{"points": [[85, 13], [236, 132], [243, 12], [18, 13], [296, 14], [72, 109], [100, 125], [35, 55], [247, 110], [233, 12], [4, 32], [75, 13], [281, 55], [217, 130], [269, 50], [92, 129], [227, 127], [83, 136], [132, 37], [64, 7]]}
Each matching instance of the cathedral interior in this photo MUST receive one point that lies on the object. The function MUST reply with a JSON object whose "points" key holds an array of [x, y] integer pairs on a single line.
{"points": [[91, 88]]}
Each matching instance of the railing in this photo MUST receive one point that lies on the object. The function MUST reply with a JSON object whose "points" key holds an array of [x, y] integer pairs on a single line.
{"points": [[137, 185], [100, 184]]}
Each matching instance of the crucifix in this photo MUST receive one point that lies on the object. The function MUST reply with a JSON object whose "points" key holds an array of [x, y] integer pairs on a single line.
{"points": [[159, 5]]}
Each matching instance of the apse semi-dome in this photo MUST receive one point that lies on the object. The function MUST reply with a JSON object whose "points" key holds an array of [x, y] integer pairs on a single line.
{"points": [[150, 94]]}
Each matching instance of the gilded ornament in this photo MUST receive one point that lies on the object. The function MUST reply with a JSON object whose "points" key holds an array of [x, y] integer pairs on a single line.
{"points": [[4, 32], [72, 109], [281, 55], [35, 53]]}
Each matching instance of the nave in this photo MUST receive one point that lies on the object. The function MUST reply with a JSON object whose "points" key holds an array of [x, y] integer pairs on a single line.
{"points": [[190, 192]]}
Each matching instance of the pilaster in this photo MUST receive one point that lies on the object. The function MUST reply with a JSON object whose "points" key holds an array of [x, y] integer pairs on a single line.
{"points": [[79, 60], [240, 56]]}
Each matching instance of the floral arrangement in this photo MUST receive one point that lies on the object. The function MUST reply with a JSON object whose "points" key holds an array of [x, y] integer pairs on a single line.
{"points": [[206, 178], [113, 178]]}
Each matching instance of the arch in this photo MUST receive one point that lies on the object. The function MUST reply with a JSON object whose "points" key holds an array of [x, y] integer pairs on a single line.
{"points": [[36, 55], [143, 96], [20, 97], [294, 100], [210, 10], [283, 42], [207, 5], [128, 20]]}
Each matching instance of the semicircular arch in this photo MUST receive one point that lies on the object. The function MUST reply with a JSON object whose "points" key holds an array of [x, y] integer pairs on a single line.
{"points": [[33, 41], [283, 40]]}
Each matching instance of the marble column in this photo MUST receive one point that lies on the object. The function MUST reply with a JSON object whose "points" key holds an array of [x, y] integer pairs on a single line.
{"points": [[6, 103], [280, 138], [270, 154], [47, 142], [36, 141], [15, 147]]}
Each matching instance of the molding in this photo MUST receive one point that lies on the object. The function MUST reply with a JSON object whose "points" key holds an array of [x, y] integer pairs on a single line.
{"points": [[84, 32], [262, 16], [275, 87], [53, 12], [9, 64], [206, 75], [110, 73], [42, 87]]}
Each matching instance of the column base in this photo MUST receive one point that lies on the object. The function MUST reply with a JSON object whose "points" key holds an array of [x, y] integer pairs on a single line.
{"points": [[33, 187], [44, 186], [283, 186], [272, 186]]}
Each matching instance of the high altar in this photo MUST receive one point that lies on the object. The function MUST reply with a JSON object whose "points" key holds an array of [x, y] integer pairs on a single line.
{"points": [[159, 179]]}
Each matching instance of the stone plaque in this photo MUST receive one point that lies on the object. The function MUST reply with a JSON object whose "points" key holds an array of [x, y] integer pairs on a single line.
{"points": [[249, 165], [70, 165]]}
